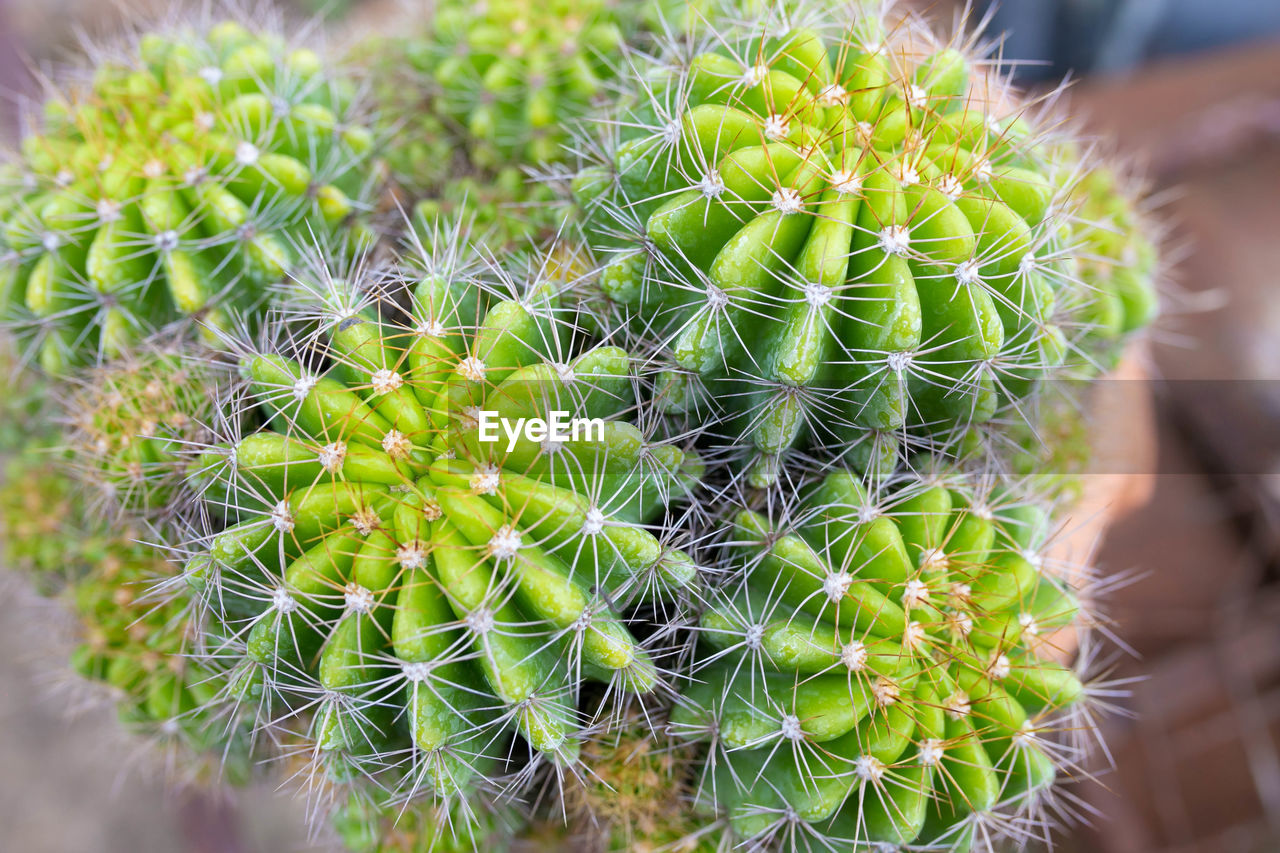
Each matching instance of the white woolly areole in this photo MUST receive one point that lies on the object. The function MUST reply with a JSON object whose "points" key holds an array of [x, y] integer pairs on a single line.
{"points": [[246, 153], [153, 169], [753, 637], [895, 239], [282, 601], [1028, 263], [480, 621], [331, 456], [593, 524], [365, 521], [914, 636], [907, 174], [358, 598], [787, 200], [210, 74], [1025, 736], [836, 584], [833, 95], [776, 127], [915, 594], [1000, 667], [957, 705], [469, 417], [412, 555], [716, 298], [817, 294], [931, 750], [564, 371], [968, 272], [846, 182], [1029, 624], [959, 593], [416, 671], [304, 386], [472, 369], [431, 328], [108, 210], [50, 241], [396, 444], [64, 177], [166, 241], [869, 768], [753, 74], [672, 132], [886, 691], [385, 381], [282, 517], [935, 559], [854, 656], [951, 187], [916, 97], [982, 170], [791, 728], [961, 623], [552, 444], [505, 543], [711, 185], [898, 361], [1033, 559], [868, 514], [486, 479]]}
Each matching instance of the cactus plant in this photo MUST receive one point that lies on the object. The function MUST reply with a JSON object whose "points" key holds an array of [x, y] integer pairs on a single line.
{"points": [[176, 182], [133, 424], [418, 586], [879, 669], [836, 229], [483, 95]]}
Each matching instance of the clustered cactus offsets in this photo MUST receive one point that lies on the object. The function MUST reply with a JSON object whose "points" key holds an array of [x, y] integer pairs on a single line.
{"points": [[880, 668], [484, 93], [177, 179], [812, 294], [840, 228], [424, 591]]}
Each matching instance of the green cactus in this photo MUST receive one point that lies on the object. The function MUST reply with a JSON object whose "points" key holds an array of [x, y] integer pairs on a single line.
{"points": [[633, 795], [833, 232], [481, 96], [878, 669], [177, 182], [22, 401], [423, 587], [36, 499], [134, 424], [455, 826], [1120, 263]]}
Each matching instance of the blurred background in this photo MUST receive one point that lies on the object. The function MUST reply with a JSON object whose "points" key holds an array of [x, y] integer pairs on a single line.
{"points": [[1190, 91]]}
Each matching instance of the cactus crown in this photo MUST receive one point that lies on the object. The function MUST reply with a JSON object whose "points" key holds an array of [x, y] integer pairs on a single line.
{"points": [[175, 182], [879, 669], [839, 227], [425, 590], [133, 425]]}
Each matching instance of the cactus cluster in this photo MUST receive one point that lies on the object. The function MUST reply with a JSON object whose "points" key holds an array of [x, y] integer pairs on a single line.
{"points": [[423, 584], [836, 228], [879, 668], [176, 180], [706, 509], [484, 94]]}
